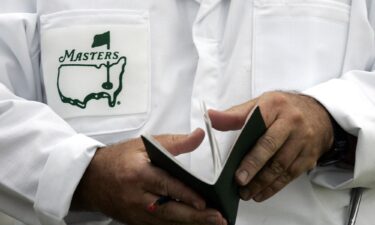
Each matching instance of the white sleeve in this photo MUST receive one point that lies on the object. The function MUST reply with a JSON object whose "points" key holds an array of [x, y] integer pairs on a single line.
{"points": [[42, 159], [351, 102]]}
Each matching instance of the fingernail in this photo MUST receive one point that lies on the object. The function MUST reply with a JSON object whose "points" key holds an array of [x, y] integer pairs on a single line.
{"points": [[242, 176], [195, 130], [245, 194], [258, 198], [199, 205], [212, 220]]}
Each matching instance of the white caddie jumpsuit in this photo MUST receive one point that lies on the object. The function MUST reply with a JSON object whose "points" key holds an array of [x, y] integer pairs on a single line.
{"points": [[76, 75]]}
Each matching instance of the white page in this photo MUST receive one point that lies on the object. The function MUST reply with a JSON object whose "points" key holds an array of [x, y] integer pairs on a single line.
{"points": [[215, 151]]}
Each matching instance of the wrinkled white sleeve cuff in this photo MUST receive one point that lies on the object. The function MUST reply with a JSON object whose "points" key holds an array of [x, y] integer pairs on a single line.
{"points": [[63, 170], [353, 108]]}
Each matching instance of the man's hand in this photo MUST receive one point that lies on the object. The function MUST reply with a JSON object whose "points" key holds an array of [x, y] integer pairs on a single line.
{"points": [[121, 182], [299, 131]]}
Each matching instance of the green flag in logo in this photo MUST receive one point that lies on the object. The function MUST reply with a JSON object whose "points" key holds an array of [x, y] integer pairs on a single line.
{"points": [[102, 39]]}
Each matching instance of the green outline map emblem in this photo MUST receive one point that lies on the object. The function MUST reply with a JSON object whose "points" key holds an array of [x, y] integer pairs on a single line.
{"points": [[107, 86]]}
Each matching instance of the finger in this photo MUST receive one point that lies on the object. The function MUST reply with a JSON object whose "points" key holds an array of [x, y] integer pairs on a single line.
{"points": [[298, 167], [159, 182], [179, 144], [264, 149], [231, 119], [178, 213], [276, 167]]}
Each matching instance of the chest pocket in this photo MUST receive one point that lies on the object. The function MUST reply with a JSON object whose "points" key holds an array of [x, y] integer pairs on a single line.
{"points": [[298, 43], [96, 68]]}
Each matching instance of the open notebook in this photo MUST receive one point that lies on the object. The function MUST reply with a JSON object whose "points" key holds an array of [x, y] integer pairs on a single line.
{"points": [[221, 192]]}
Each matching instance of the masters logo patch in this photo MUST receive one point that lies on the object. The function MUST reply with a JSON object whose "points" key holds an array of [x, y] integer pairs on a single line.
{"points": [[97, 69], [104, 73]]}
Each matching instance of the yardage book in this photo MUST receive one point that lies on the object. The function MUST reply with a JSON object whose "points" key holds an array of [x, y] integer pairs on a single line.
{"points": [[220, 193]]}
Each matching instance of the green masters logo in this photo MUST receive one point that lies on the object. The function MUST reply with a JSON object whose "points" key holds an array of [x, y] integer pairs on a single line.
{"points": [[91, 81]]}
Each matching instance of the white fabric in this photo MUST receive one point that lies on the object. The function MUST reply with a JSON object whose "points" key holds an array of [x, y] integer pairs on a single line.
{"points": [[223, 52], [79, 63]]}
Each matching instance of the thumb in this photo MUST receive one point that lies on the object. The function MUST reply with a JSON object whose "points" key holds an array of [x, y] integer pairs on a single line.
{"points": [[232, 118], [182, 143]]}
